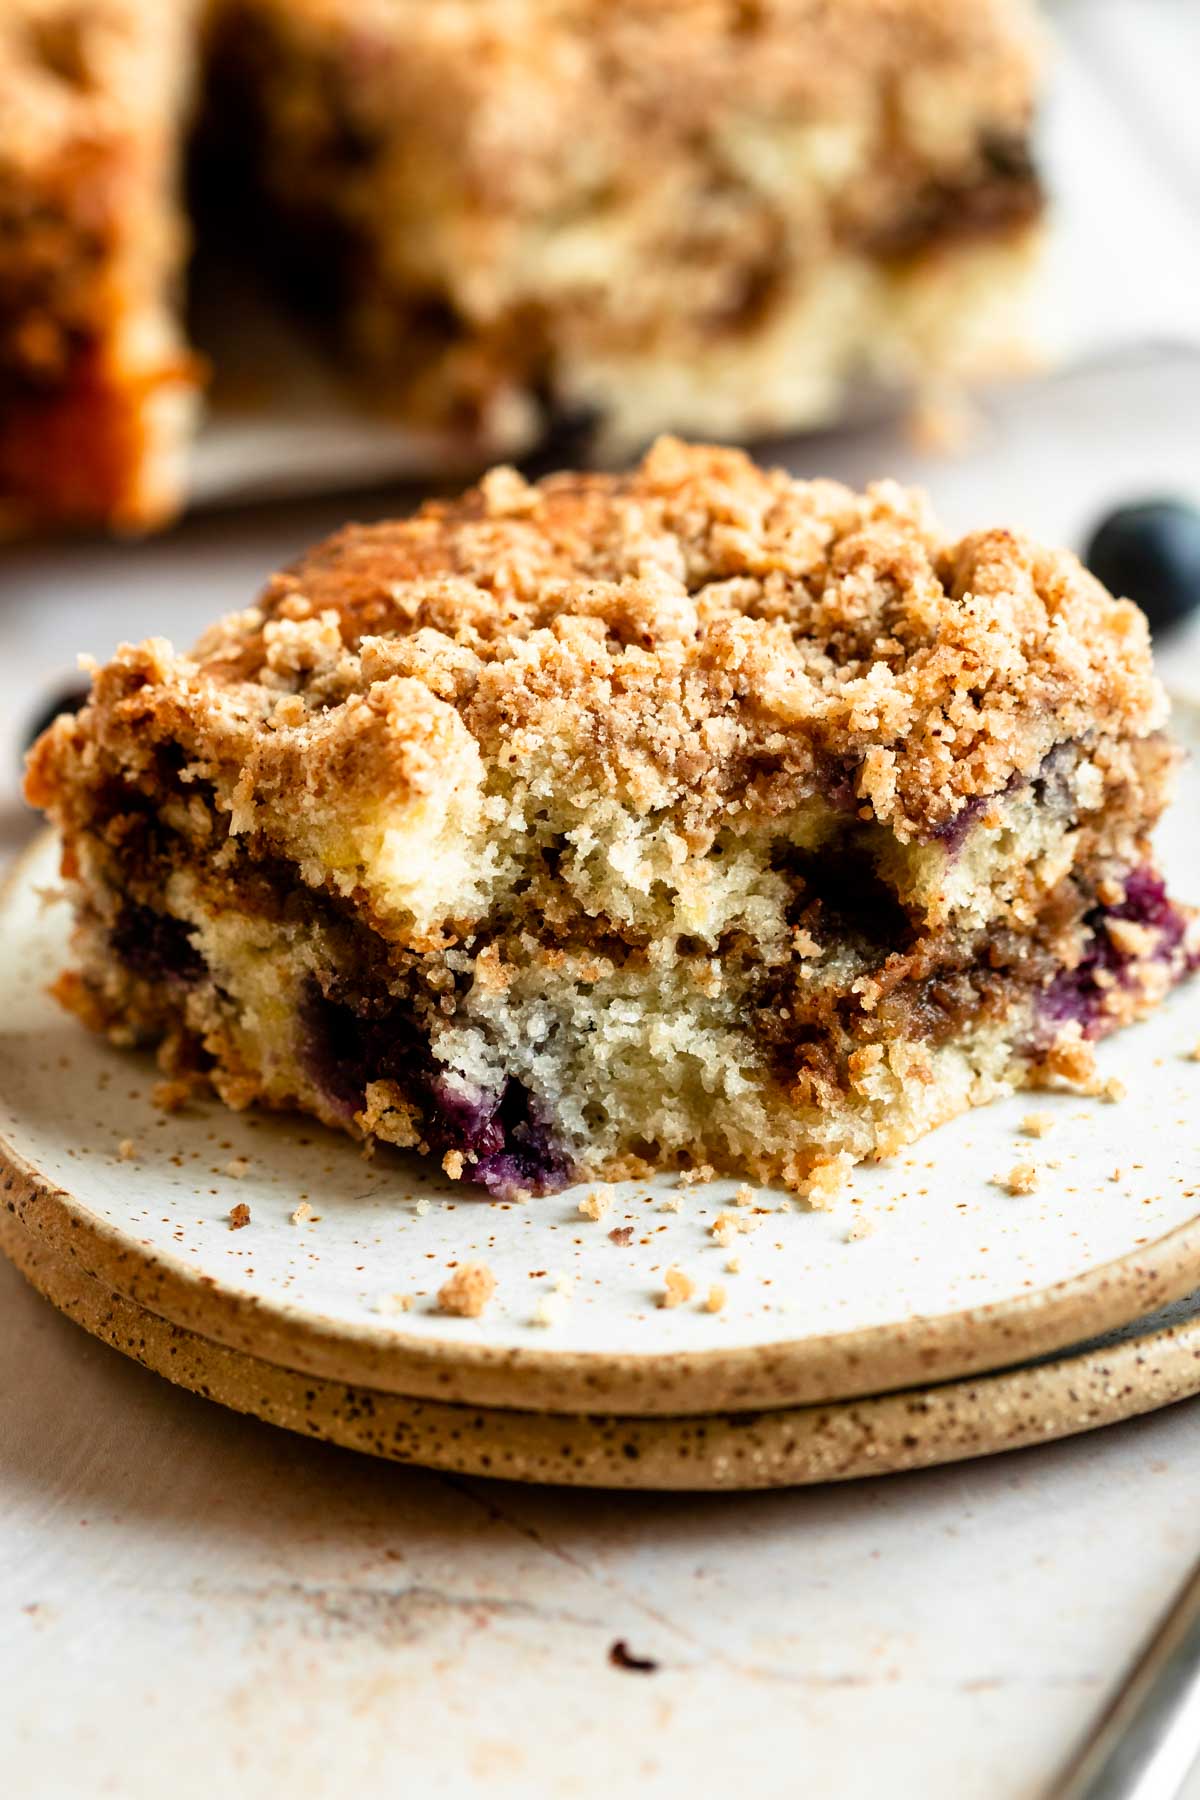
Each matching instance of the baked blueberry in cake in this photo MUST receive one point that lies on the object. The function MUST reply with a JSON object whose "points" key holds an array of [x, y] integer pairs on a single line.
{"points": [[697, 815]]}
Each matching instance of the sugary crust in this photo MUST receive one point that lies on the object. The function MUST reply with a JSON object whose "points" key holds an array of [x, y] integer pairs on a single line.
{"points": [[699, 635]]}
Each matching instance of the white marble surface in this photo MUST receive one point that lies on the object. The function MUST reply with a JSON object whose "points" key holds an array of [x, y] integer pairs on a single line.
{"points": [[194, 1604]]}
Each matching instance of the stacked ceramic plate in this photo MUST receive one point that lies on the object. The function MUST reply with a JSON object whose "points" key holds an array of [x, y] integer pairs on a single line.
{"points": [[932, 1313]]}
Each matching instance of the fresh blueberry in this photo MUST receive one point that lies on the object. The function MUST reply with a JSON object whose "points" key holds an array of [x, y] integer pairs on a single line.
{"points": [[66, 700], [1150, 553]]}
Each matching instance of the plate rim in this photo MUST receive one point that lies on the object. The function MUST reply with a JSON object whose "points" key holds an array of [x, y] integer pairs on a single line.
{"points": [[794, 1371], [917, 1428]]}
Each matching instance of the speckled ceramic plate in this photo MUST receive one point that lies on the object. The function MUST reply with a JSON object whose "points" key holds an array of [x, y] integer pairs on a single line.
{"points": [[1134, 1370], [926, 1269]]}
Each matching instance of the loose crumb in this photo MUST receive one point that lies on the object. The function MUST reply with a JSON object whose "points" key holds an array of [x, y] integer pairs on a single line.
{"points": [[127, 1150], [827, 1181], [674, 1204], [468, 1290], [1113, 1090], [303, 1214], [701, 1173], [860, 1228], [239, 1215], [678, 1288], [454, 1162], [596, 1203], [745, 1196], [733, 1265], [622, 1235], [394, 1303], [1036, 1125], [1194, 1053], [714, 1300], [424, 1206], [1022, 1179], [171, 1096], [726, 1226], [237, 1167], [552, 1308]]}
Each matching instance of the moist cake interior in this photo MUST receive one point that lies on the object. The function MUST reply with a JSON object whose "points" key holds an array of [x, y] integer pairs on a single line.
{"points": [[696, 816]]}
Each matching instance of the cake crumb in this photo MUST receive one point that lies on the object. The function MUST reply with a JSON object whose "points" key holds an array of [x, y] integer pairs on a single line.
{"points": [[454, 1162], [239, 1215], [171, 1096], [827, 1180], [394, 1303], [733, 1265], [1037, 1124], [596, 1202], [127, 1150], [1194, 1053], [674, 1204], [552, 1308], [237, 1167], [424, 1206], [1022, 1179], [859, 1228], [745, 1195], [701, 1173], [303, 1214], [678, 1288], [467, 1291], [622, 1235], [1113, 1090], [714, 1300]]}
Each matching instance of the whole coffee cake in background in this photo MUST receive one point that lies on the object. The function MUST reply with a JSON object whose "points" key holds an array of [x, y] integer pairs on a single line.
{"points": [[609, 216], [692, 816], [95, 385]]}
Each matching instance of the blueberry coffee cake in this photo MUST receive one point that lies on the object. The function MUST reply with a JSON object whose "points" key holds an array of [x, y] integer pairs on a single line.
{"points": [[95, 385], [695, 816], [612, 217], [528, 223]]}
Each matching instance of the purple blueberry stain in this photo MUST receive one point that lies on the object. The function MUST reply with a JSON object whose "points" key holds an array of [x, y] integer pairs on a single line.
{"points": [[1077, 995], [507, 1145], [154, 946]]}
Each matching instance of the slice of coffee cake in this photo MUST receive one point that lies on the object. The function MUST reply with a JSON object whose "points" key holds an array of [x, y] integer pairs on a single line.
{"points": [[95, 386], [622, 216], [698, 815]]}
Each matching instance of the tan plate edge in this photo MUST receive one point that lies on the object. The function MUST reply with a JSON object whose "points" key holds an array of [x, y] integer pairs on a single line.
{"points": [[793, 1446]]}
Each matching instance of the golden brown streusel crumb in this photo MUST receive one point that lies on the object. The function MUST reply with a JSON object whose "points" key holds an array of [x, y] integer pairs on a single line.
{"points": [[239, 1216], [454, 1162], [673, 1203], [303, 1214], [171, 1096], [714, 1300], [596, 1202], [127, 1150], [826, 1181], [1037, 1124], [467, 1291], [703, 1172], [1021, 1179], [678, 1288]]}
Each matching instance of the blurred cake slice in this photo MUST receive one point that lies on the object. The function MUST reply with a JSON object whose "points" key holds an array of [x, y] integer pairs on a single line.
{"points": [[610, 218], [95, 381], [694, 816]]}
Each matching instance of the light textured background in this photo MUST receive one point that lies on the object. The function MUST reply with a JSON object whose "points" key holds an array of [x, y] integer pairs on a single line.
{"points": [[194, 1604]]}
